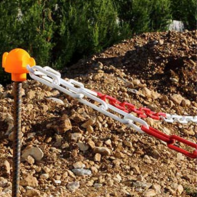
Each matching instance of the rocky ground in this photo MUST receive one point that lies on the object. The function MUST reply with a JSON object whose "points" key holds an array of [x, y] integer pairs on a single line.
{"points": [[69, 149]]}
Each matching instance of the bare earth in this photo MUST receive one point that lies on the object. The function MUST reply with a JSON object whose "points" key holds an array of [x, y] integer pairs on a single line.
{"points": [[69, 149]]}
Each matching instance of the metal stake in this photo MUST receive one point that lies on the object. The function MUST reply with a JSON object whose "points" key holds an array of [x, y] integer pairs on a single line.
{"points": [[16, 139]]}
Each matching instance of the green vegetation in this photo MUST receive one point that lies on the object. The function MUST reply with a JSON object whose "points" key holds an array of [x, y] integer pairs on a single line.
{"points": [[60, 32]]}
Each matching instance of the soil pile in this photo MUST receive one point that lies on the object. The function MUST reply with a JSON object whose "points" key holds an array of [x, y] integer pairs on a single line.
{"points": [[69, 149]]}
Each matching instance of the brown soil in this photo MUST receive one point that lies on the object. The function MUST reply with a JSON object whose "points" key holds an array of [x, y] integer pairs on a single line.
{"points": [[156, 70]]}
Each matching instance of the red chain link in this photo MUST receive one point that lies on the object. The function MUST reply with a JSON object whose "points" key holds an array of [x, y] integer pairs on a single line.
{"points": [[171, 140], [142, 112]]}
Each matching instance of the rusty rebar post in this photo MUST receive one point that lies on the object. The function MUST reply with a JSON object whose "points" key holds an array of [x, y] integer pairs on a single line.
{"points": [[16, 139]]}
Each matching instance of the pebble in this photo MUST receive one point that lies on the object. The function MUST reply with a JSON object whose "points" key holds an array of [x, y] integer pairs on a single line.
{"points": [[59, 101], [79, 164], [29, 180], [102, 150], [150, 193], [97, 157], [176, 98], [44, 176], [180, 189], [33, 151], [82, 146], [81, 172], [73, 186], [75, 136], [31, 192]]}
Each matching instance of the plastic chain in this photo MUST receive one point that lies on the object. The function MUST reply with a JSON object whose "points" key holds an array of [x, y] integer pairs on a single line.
{"points": [[142, 112], [75, 89]]}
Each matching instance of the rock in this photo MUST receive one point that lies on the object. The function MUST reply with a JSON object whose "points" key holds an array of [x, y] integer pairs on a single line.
{"points": [[82, 146], [31, 94], [157, 188], [176, 98], [147, 159], [57, 182], [30, 159], [90, 122], [29, 180], [91, 144], [63, 125], [127, 143], [82, 172], [3, 182], [73, 186], [33, 151], [146, 92], [6, 166], [44, 176], [142, 184], [59, 101], [149, 193], [97, 157], [31, 192], [75, 136], [102, 150], [180, 189], [185, 102], [79, 164]]}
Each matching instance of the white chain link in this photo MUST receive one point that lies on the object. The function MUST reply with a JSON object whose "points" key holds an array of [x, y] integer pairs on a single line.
{"points": [[181, 119], [75, 89]]}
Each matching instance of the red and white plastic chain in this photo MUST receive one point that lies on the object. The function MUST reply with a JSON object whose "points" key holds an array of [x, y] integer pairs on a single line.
{"points": [[145, 112], [141, 112], [75, 89]]}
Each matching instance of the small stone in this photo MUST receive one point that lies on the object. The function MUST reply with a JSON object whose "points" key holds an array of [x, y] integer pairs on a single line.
{"points": [[31, 94], [102, 150], [81, 172], [97, 157], [91, 144], [6, 165], [82, 146], [157, 188], [90, 122], [59, 101], [127, 143], [79, 164], [98, 185], [63, 125], [44, 176], [75, 136], [180, 189], [30, 160], [149, 193], [180, 156], [29, 180], [147, 159], [31, 192], [57, 182], [35, 152], [176, 98], [108, 142], [73, 186], [146, 92]]}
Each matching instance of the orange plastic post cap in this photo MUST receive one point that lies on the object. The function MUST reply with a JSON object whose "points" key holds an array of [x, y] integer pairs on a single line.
{"points": [[15, 62]]}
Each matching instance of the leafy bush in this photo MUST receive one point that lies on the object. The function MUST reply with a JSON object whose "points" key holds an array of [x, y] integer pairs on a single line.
{"points": [[145, 15], [185, 11], [84, 28]]}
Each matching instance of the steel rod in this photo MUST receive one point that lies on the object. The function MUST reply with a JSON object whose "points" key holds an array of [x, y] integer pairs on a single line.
{"points": [[16, 139]]}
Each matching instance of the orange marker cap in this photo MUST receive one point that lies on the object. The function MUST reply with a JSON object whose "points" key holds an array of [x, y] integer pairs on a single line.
{"points": [[15, 62]]}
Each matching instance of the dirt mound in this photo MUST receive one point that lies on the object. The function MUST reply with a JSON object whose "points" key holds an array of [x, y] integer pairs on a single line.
{"points": [[69, 149]]}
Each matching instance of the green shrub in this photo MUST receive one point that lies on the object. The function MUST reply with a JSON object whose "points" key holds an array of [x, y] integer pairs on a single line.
{"points": [[84, 28], [145, 15], [185, 11]]}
